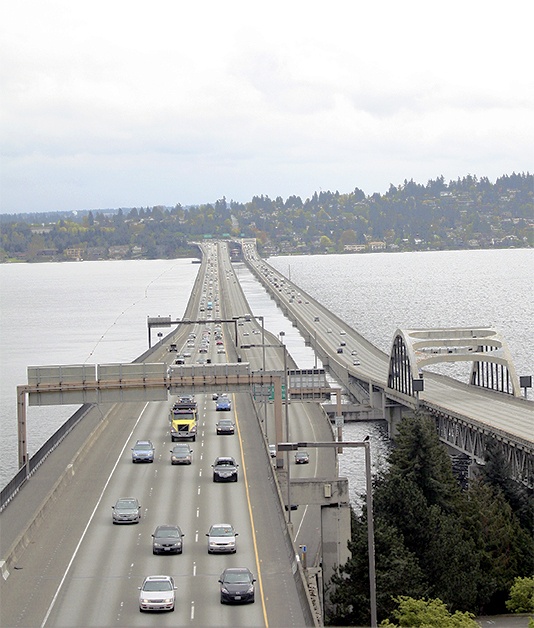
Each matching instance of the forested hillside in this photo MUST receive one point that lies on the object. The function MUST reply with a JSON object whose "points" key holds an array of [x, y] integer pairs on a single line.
{"points": [[467, 213]]}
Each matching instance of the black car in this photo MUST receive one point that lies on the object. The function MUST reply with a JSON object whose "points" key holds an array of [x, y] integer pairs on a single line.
{"points": [[225, 469], [225, 426], [167, 539], [302, 457], [237, 585]]}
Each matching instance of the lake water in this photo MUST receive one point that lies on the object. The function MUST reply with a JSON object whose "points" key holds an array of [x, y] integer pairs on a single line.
{"points": [[95, 312]]}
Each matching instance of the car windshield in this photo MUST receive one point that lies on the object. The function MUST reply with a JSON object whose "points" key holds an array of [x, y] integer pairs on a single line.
{"points": [[240, 577], [126, 503], [222, 531], [157, 585], [226, 461], [143, 446], [167, 533]]}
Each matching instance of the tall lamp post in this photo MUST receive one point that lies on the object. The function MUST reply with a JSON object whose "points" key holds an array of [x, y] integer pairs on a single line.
{"points": [[366, 445], [288, 463]]}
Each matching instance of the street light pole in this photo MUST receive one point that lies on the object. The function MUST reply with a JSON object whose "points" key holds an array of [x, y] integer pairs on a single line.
{"points": [[287, 447], [288, 462], [315, 347], [370, 531]]}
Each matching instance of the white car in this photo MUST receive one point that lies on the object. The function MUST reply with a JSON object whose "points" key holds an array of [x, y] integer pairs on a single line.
{"points": [[221, 539], [157, 593]]}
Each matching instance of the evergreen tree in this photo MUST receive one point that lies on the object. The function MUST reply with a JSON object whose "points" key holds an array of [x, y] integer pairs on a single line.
{"points": [[496, 472], [397, 572]]}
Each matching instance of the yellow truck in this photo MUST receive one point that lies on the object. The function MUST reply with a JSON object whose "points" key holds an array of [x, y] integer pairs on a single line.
{"points": [[183, 419]]}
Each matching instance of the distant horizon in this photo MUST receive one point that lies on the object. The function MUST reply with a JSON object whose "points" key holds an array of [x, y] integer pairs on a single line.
{"points": [[272, 197]]}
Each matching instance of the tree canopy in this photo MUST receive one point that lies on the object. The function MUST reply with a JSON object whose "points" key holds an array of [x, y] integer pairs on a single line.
{"points": [[432, 540]]}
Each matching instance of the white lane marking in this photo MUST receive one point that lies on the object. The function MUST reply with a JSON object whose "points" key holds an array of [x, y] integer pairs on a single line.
{"points": [[194, 569], [198, 490], [192, 610], [54, 599], [196, 536], [198, 512], [315, 474]]}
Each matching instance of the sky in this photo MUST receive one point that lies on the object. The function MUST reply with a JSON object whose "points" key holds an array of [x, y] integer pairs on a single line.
{"points": [[121, 103]]}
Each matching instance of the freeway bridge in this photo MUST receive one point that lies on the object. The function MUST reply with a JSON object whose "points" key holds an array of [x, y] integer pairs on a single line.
{"points": [[58, 542], [488, 406]]}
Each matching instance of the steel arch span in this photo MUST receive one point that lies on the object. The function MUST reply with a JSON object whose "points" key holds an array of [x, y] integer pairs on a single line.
{"points": [[484, 347]]}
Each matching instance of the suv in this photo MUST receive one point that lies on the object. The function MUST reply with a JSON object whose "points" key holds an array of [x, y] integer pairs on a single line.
{"points": [[225, 469], [143, 451]]}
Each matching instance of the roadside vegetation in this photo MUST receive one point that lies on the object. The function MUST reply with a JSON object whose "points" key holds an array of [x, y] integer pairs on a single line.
{"points": [[461, 549], [467, 213]]}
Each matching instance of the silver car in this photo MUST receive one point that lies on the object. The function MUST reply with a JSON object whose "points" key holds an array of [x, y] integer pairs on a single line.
{"points": [[181, 454], [221, 539], [157, 593], [143, 451], [126, 510]]}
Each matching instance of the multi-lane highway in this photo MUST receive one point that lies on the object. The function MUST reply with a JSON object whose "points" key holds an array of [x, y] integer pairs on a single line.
{"points": [[82, 570], [510, 418]]}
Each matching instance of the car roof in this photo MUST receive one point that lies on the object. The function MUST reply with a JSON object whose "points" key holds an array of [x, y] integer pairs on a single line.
{"points": [[167, 526], [127, 502], [143, 442], [237, 570], [224, 459]]}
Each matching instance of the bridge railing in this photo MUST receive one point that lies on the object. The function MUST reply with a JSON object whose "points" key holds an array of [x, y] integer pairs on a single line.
{"points": [[36, 460]]}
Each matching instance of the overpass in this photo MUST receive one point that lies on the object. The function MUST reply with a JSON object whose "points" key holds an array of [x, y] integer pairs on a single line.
{"points": [[489, 406]]}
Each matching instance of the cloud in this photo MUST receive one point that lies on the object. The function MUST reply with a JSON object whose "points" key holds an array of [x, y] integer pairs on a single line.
{"points": [[124, 103]]}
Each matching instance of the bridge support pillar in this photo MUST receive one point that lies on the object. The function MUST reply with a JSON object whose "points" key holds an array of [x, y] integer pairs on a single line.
{"points": [[335, 530], [473, 470], [393, 414], [375, 397]]}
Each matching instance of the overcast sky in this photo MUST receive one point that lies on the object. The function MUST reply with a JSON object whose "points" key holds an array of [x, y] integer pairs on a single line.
{"points": [[120, 103]]}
